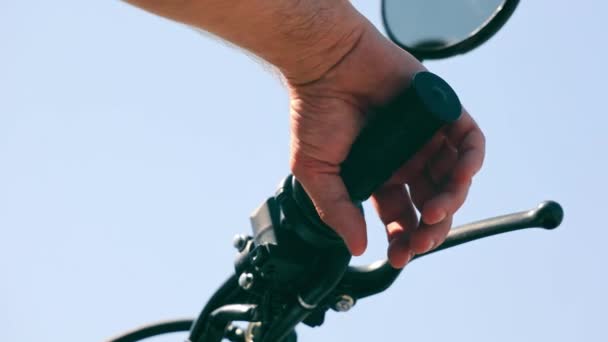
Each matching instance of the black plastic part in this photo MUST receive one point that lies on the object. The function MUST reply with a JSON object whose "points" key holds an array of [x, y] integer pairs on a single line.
{"points": [[364, 281], [321, 284], [281, 261], [221, 317], [328, 275], [228, 293], [301, 214], [264, 220], [316, 318], [281, 328], [474, 41]]}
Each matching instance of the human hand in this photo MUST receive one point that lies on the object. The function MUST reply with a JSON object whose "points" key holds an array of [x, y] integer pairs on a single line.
{"points": [[337, 65], [326, 116]]}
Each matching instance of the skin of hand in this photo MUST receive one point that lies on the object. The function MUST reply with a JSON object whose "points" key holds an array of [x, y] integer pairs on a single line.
{"points": [[326, 117], [336, 66]]}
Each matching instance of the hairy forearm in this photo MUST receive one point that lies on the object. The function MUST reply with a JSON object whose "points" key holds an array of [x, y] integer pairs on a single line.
{"points": [[303, 38]]}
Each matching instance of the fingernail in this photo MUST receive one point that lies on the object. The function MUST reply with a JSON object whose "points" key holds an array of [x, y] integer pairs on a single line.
{"points": [[412, 255], [441, 217], [407, 260]]}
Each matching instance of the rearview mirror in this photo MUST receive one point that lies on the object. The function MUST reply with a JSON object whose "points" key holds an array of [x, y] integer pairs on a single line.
{"points": [[431, 29]]}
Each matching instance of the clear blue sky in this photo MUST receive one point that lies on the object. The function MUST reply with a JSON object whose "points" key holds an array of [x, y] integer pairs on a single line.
{"points": [[132, 149]]}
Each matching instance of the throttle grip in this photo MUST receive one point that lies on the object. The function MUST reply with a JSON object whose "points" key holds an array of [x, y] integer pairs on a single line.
{"points": [[395, 132]]}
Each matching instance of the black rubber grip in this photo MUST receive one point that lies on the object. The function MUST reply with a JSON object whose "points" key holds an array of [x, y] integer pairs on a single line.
{"points": [[396, 131]]}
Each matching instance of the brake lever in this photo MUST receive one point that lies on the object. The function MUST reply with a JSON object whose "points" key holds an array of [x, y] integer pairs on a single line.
{"points": [[365, 281], [547, 215]]}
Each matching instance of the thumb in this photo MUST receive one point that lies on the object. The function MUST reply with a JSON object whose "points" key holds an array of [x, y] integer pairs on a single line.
{"points": [[330, 197]]}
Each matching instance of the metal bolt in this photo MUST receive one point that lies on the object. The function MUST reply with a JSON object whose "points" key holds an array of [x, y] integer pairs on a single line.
{"points": [[260, 257], [239, 242], [246, 280], [344, 303], [238, 332], [233, 332]]}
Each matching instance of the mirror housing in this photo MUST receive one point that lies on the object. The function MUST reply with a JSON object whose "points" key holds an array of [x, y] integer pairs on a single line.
{"points": [[439, 48]]}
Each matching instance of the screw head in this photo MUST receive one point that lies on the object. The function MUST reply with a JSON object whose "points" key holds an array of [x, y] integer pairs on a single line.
{"points": [[344, 303], [246, 280], [239, 242]]}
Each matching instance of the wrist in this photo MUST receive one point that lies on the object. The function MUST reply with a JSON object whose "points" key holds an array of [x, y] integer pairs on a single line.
{"points": [[319, 40], [303, 39]]}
